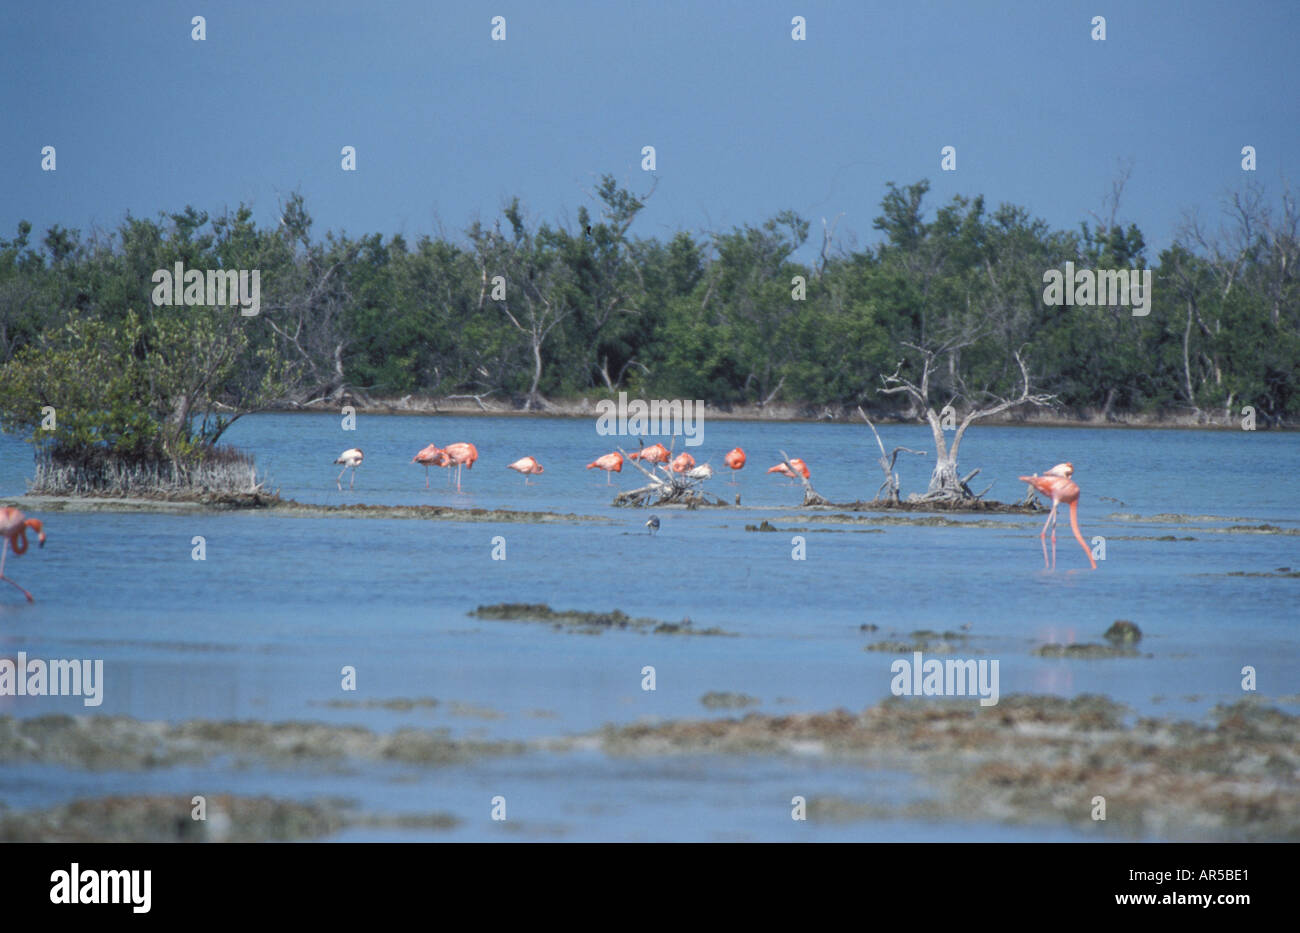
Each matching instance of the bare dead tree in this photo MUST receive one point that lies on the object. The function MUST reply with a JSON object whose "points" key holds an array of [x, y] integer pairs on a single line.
{"points": [[887, 461], [305, 311], [1110, 203], [944, 480], [1254, 243], [533, 299], [828, 237], [666, 487]]}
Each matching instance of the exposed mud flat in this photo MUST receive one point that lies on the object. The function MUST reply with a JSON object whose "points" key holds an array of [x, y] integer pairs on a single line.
{"points": [[1244, 526], [1149, 538], [122, 743], [938, 505], [274, 505], [146, 501], [1033, 759], [923, 640], [166, 818], [588, 623], [920, 521], [395, 704], [722, 699], [44, 504], [1086, 651], [294, 509], [765, 525], [1029, 759]]}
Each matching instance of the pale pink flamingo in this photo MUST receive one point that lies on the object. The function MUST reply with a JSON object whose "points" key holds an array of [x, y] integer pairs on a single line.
{"points": [[351, 457], [526, 466]]}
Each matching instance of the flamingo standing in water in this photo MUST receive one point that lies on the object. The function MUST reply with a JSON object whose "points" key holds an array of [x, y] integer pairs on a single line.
{"points": [[433, 455], [1057, 484], [610, 463], [351, 457], [682, 463], [13, 528], [655, 453], [784, 470], [462, 454], [526, 465], [735, 460]]}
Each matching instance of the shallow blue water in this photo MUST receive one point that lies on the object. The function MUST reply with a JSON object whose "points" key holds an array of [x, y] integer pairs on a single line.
{"points": [[262, 627]]}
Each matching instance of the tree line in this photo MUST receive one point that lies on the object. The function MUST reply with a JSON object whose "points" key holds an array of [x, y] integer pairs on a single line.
{"points": [[524, 312]]}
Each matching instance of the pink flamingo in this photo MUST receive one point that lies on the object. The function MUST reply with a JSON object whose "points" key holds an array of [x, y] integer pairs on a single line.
{"points": [[784, 470], [735, 460], [1057, 484], [462, 454], [655, 453], [13, 528], [683, 462], [433, 455], [526, 466], [610, 463]]}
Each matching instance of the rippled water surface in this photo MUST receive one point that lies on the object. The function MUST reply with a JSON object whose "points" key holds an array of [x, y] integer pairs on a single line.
{"points": [[262, 628]]}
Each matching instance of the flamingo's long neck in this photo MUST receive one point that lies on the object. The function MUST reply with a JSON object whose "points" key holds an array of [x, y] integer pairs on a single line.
{"points": [[19, 541], [1074, 524]]}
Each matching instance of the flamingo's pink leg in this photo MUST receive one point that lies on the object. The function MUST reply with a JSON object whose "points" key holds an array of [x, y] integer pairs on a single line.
{"points": [[1042, 537], [4, 555]]}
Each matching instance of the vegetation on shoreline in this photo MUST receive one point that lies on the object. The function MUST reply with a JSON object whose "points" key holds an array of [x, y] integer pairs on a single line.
{"points": [[944, 319]]}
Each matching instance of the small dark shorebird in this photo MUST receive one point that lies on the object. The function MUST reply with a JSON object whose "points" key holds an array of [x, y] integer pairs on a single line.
{"points": [[653, 524]]}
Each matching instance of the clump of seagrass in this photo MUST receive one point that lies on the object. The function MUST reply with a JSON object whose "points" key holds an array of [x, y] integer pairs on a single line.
{"points": [[588, 623]]}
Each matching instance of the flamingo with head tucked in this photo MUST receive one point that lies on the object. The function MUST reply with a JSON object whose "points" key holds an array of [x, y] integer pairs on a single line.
{"points": [[610, 463], [13, 528], [351, 457], [526, 466], [735, 461], [682, 462], [461, 454], [433, 455], [655, 453], [1058, 485]]}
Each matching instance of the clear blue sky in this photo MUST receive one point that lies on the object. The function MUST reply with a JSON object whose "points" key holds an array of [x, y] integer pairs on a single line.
{"points": [[746, 122]]}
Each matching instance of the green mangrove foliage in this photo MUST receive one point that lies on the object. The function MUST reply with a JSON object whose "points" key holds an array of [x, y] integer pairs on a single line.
{"points": [[523, 312]]}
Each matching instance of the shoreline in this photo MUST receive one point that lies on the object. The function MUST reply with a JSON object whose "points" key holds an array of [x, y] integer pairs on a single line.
{"points": [[780, 412]]}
